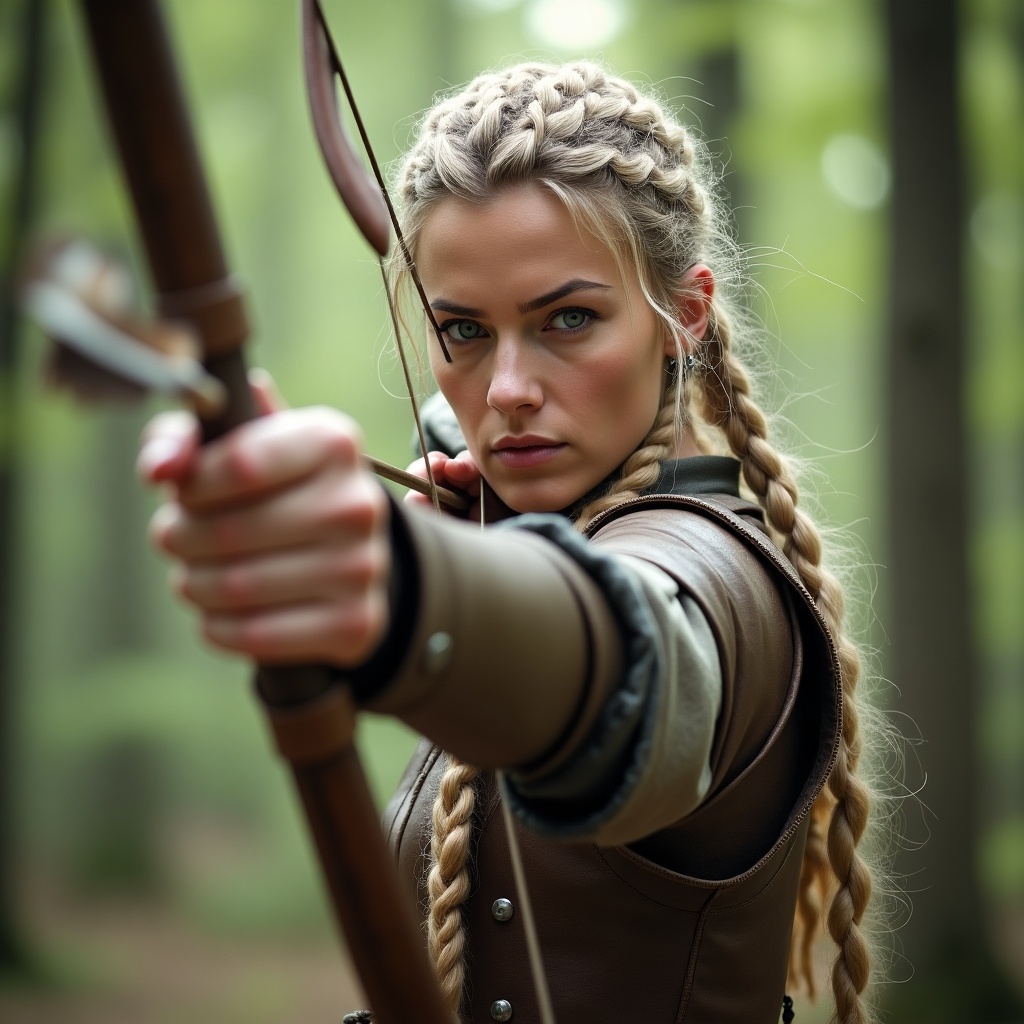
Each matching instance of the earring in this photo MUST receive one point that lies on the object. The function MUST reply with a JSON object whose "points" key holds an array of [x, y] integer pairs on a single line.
{"points": [[688, 364]]}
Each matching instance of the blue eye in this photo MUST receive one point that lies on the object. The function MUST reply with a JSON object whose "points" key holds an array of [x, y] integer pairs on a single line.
{"points": [[463, 330]]}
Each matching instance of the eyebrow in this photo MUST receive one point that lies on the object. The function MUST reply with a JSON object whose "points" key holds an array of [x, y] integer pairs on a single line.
{"points": [[577, 284]]}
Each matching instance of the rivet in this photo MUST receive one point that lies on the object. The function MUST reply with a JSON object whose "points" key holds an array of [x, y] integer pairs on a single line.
{"points": [[501, 1009], [501, 909], [437, 652]]}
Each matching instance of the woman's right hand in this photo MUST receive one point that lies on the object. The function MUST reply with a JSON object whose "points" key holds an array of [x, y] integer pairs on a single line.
{"points": [[460, 473], [279, 534]]}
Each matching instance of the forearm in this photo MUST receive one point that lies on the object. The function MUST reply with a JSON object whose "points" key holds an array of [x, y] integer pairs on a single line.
{"points": [[511, 650]]}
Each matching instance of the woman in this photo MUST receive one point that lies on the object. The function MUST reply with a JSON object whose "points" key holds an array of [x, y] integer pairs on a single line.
{"points": [[659, 682]]}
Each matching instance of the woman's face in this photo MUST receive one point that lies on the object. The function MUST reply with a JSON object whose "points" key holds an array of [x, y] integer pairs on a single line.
{"points": [[557, 364]]}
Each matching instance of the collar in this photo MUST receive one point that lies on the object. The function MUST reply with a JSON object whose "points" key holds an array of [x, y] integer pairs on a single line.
{"points": [[699, 474], [694, 476]]}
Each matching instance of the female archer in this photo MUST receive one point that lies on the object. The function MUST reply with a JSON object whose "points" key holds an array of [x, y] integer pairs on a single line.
{"points": [[648, 668]]}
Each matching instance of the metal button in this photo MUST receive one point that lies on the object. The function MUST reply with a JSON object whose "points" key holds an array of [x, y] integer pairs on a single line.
{"points": [[501, 909], [501, 1009], [437, 652]]}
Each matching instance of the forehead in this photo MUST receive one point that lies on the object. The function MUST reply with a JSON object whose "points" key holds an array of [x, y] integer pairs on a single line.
{"points": [[524, 235]]}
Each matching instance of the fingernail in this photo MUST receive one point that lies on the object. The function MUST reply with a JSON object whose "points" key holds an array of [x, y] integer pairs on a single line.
{"points": [[157, 457]]}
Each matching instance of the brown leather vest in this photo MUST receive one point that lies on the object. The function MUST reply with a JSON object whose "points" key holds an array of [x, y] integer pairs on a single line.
{"points": [[624, 937]]}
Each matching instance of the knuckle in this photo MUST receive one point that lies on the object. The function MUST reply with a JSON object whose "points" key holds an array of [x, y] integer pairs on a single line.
{"points": [[339, 435], [359, 628], [225, 533], [241, 465], [335, 510], [233, 587], [359, 505], [376, 501], [253, 634], [363, 568]]}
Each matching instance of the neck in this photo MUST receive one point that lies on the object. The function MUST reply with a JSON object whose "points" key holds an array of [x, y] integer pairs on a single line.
{"points": [[686, 447]]}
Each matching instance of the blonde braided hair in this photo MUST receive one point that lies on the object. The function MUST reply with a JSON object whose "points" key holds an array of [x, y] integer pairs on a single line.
{"points": [[725, 392], [448, 879], [629, 175]]}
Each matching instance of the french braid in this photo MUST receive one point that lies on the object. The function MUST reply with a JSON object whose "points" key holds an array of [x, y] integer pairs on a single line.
{"points": [[630, 175]]}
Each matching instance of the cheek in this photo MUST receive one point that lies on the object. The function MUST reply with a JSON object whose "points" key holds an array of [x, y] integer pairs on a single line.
{"points": [[624, 391], [463, 393], [455, 387]]}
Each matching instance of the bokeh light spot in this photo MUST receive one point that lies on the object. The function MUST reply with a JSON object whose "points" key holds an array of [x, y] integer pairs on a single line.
{"points": [[856, 170], [577, 25]]}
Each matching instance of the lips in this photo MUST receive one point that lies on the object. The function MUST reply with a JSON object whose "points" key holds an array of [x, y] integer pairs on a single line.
{"points": [[526, 451]]}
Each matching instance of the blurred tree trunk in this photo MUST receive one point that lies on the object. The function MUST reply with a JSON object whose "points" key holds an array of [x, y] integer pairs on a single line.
{"points": [[718, 73], [13, 956], [934, 661]]}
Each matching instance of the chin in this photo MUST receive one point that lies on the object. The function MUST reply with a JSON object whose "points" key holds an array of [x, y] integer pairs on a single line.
{"points": [[537, 497]]}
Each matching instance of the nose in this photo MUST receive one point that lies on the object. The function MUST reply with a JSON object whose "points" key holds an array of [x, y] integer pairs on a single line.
{"points": [[515, 384]]}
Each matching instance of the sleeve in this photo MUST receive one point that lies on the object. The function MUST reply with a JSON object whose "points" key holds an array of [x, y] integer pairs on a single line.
{"points": [[645, 763]]}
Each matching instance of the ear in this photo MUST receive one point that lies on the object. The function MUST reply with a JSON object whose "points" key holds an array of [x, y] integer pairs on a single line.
{"points": [[693, 304]]}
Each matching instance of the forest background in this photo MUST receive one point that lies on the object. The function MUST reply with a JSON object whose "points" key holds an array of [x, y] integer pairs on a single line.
{"points": [[143, 818]]}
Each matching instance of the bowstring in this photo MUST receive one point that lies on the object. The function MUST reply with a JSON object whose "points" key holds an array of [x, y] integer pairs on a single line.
{"points": [[339, 70]]}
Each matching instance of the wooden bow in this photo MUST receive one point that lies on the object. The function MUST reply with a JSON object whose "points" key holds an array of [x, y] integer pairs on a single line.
{"points": [[311, 716]]}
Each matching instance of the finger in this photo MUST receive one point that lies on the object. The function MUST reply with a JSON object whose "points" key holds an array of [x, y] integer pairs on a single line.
{"points": [[438, 461], [264, 390], [169, 445], [305, 632], [463, 472], [339, 509], [269, 453], [282, 578]]}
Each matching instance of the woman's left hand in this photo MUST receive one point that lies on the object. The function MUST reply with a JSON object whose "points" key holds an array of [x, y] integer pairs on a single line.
{"points": [[279, 532]]}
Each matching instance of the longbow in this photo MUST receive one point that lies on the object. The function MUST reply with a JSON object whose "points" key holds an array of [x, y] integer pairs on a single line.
{"points": [[311, 716]]}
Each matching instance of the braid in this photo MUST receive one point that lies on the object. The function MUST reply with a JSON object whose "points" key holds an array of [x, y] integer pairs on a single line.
{"points": [[814, 876], [448, 881], [728, 404]]}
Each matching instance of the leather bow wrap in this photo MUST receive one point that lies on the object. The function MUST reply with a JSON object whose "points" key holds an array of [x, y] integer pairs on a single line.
{"points": [[311, 718]]}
